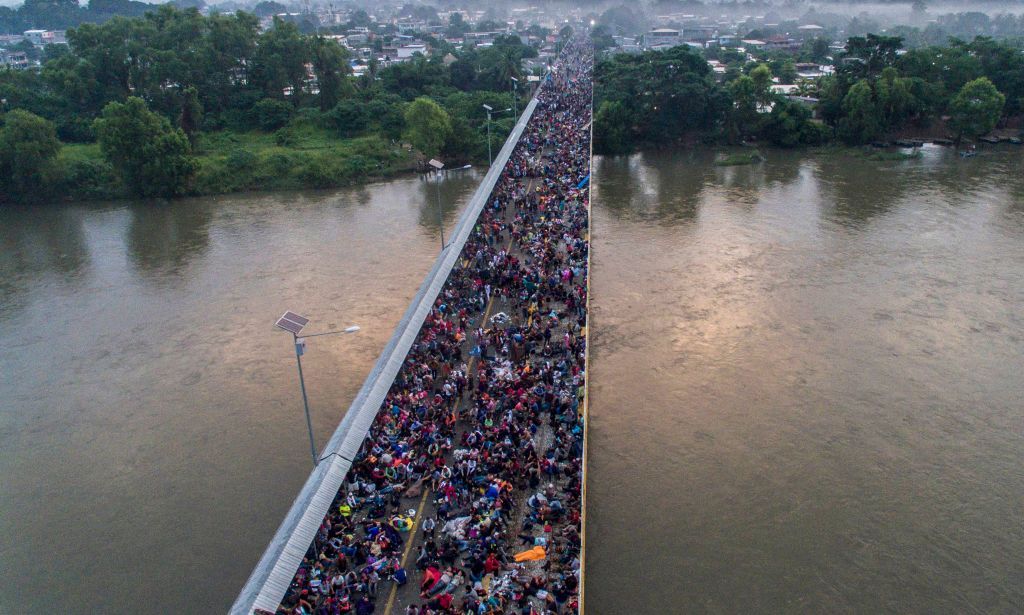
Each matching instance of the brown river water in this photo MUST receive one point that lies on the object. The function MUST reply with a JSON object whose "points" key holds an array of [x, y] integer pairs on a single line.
{"points": [[807, 380], [807, 385]]}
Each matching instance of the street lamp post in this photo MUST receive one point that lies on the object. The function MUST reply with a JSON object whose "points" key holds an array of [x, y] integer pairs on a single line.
{"points": [[491, 110], [438, 165], [515, 94], [300, 348], [294, 324]]}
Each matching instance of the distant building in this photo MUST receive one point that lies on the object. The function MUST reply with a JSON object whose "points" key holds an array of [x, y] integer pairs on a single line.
{"points": [[16, 60], [407, 51], [782, 43], [700, 33], [812, 71], [662, 37], [718, 69], [41, 38], [34, 36]]}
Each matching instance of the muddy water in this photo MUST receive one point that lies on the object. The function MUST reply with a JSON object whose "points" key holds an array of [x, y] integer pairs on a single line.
{"points": [[808, 385], [151, 430]]}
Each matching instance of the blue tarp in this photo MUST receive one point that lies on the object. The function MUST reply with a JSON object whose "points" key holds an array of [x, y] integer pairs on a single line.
{"points": [[586, 180]]}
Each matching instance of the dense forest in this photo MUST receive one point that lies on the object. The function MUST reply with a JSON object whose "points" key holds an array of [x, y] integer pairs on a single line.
{"points": [[877, 90], [176, 102]]}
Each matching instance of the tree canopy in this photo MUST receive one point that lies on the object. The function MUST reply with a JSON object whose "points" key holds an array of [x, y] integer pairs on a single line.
{"points": [[428, 126], [152, 158], [28, 143], [976, 108]]}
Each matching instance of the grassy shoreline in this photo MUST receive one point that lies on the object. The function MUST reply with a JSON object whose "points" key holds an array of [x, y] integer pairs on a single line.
{"points": [[307, 157], [293, 158]]}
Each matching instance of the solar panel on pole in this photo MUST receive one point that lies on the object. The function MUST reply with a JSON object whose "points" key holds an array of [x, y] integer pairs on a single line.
{"points": [[292, 316], [292, 323]]}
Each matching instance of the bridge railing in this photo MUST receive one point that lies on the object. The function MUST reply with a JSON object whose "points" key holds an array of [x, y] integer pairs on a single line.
{"points": [[586, 365], [269, 581]]}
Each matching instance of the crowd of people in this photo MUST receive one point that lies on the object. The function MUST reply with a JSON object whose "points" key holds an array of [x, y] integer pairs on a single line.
{"points": [[476, 453]]}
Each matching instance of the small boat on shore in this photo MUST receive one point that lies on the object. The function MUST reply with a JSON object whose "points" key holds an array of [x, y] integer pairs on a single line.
{"points": [[1015, 141], [990, 139], [942, 141]]}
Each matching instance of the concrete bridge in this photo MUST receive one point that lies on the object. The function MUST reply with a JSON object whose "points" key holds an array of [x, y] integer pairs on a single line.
{"points": [[275, 574]]}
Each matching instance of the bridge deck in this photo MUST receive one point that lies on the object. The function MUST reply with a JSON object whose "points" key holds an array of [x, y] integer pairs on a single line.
{"points": [[556, 442]]}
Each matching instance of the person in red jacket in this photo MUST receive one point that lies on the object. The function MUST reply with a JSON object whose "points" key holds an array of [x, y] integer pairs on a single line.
{"points": [[492, 565]]}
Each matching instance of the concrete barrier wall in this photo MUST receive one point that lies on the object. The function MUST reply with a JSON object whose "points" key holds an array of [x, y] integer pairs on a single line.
{"points": [[269, 581], [586, 365]]}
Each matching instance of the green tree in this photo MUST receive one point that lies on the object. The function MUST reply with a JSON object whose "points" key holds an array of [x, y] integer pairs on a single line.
{"points": [[428, 126], [152, 158], [268, 8], [330, 65], [762, 81], [872, 53], [613, 128], [789, 124], [786, 71], [279, 63], [861, 121], [743, 117], [191, 116], [951, 66], [28, 143], [816, 50], [350, 117], [271, 114], [668, 93], [601, 36], [498, 65], [457, 26], [976, 108], [895, 100], [1003, 64]]}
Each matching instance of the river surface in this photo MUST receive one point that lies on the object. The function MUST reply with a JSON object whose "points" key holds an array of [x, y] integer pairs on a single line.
{"points": [[807, 384], [151, 430]]}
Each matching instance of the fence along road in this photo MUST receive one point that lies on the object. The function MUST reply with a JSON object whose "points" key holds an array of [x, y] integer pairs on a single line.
{"points": [[269, 581]]}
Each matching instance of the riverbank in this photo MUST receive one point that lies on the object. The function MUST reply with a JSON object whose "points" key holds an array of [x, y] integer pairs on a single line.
{"points": [[293, 158]]}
